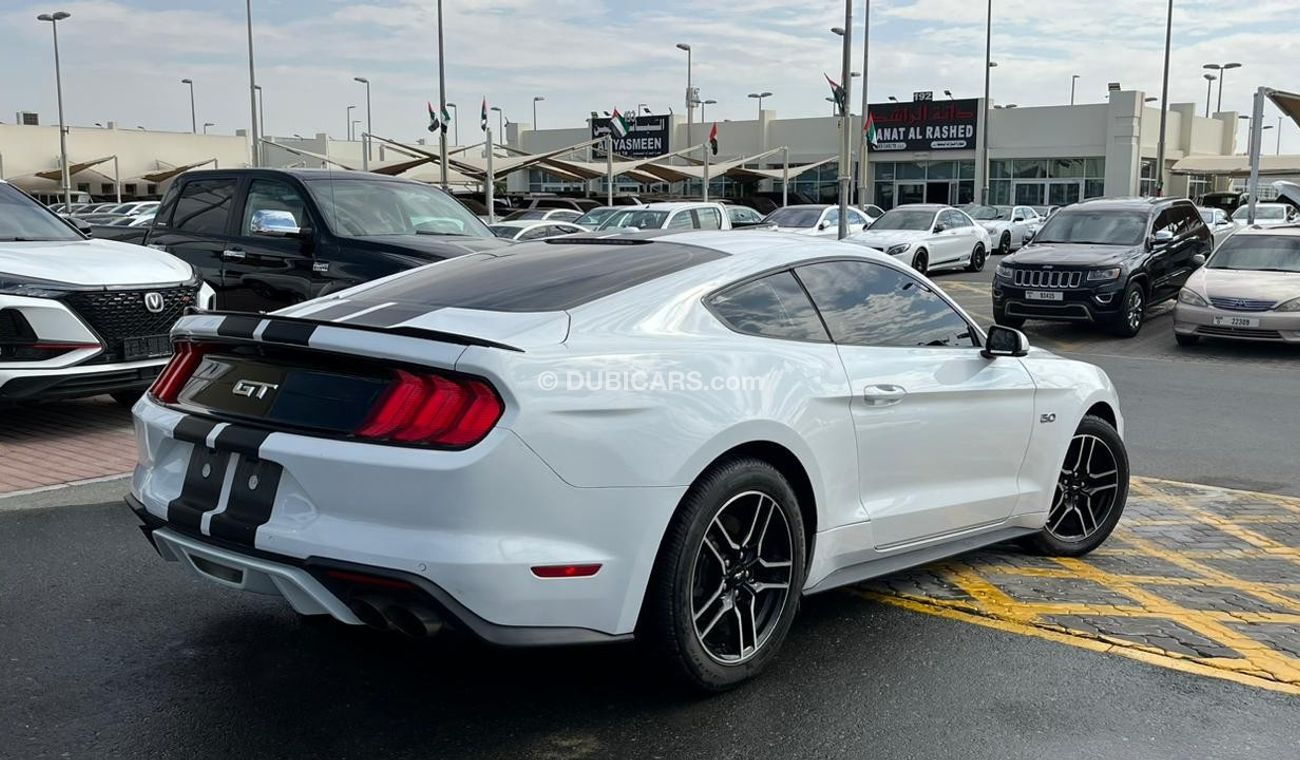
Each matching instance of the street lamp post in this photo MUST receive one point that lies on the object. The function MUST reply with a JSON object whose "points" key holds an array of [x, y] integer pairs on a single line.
{"points": [[1209, 82], [66, 178], [704, 119], [1164, 104], [1222, 68], [252, 86], [846, 142], [365, 139], [349, 123], [261, 108], [984, 136], [862, 135], [501, 125], [759, 96], [442, 105], [1074, 79], [354, 124], [690, 112], [194, 122], [536, 99]]}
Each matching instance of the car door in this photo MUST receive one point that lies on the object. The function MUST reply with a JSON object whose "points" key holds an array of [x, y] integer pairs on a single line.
{"points": [[1170, 261], [942, 431], [949, 238], [196, 226], [264, 271]]}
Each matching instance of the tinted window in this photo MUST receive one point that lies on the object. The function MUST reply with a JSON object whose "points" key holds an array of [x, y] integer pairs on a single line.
{"points": [[775, 307], [1099, 226], [867, 304], [709, 219], [536, 276], [363, 207], [267, 195], [796, 216], [204, 206], [640, 218]]}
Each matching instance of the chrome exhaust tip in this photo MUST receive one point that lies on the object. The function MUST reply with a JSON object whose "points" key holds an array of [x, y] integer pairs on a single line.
{"points": [[369, 611], [416, 622]]}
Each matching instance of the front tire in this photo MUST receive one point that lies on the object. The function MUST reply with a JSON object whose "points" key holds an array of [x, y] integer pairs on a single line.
{"points": [[727, 580], [921, 261], [1132, 312], [1004, 245], [1091, 490], [976, 259]]}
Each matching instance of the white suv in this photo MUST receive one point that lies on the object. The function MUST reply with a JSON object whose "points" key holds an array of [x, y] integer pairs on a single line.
{"points": [[81, 317]]}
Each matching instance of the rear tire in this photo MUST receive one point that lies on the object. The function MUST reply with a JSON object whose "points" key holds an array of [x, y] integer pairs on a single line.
{"points": [[1091, 491], [1187, 340], [977, 258], [738, 528], [921, 261], [1004, 245]]}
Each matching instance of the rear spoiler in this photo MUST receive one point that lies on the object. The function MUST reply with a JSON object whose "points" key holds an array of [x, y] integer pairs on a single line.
{"points": [[304, 331]]}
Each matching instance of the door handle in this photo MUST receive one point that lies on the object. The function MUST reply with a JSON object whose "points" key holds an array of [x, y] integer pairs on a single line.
{"points": [[883, 395], [232, 253]]}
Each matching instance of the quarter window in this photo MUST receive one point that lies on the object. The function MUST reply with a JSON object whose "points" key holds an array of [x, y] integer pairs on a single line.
{"points": [[204, 206], [866, 304], [774, 306]]}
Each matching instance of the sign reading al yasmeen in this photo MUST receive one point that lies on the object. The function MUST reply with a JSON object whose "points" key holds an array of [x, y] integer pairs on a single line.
{"points": [[647, 136], [926, 125]]}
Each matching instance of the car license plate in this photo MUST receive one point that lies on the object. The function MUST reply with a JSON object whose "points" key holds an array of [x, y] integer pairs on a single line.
{"points": [[1236, 321], [1040, 295], [146, 347]]}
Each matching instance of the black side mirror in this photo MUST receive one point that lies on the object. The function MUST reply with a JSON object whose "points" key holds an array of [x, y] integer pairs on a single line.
{"points": [[1004, 341], [83, 227]]}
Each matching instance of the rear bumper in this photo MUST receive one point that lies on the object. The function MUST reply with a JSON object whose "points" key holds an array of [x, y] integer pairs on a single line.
{"points": [[1269, 326]]}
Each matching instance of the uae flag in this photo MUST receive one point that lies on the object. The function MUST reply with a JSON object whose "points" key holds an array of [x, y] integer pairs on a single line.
{"points": [[869, 130], [434, 124], [713, 138], [837, 92], [482, 117], [618, 125]]}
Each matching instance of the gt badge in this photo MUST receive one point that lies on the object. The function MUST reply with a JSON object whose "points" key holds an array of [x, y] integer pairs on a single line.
{"points": [[252, 389]]}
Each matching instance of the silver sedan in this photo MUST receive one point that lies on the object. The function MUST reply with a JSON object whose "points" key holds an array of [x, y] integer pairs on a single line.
{"points": [[1249, 290]]}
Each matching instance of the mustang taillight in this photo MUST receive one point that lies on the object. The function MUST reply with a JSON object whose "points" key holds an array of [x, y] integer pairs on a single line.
{"points": [[455, 412], [170, 381]]}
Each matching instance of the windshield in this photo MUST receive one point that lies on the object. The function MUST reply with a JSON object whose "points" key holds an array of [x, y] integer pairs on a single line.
{"points": [[985, 213], [22, 218], [532, 213], [639, 218], [794, 216], [594, 216], [360, 207], [904, 219], [1097, 227], [503, 230], [1261, 253], [1262, 211]]}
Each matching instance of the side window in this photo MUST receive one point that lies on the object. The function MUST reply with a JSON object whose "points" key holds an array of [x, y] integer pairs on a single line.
{"points": [[950, 220], [1164, 221], [204, 206], [832, 217], [710, 219], [867, 304], [774, 307], [681, 221], [1190, 221], [269, 195]]}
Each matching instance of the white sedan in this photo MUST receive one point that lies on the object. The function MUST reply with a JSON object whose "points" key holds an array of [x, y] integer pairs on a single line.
{"points": [[672, 436], [816, 219], [1008, 226], [928, 236]]}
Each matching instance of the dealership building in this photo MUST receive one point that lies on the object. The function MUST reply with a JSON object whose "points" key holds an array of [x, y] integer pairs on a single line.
{"points": [[928, 150]]}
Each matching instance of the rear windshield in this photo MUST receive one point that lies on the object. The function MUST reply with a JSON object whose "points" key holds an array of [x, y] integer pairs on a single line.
{"points": [[793, 216], [639, 218], [537, 276]]}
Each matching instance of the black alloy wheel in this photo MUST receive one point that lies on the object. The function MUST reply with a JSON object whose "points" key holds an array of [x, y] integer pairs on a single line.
{"points": [[977, 259], [1091, 490], [921, 261]]}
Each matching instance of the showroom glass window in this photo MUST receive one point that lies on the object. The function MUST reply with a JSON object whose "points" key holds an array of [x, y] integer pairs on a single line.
{"points": [[867, 304], [204, 206], [774, 306]]}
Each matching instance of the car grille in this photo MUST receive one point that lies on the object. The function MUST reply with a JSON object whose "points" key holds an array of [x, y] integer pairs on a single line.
{"points": [[1238, 332], [119, 314], [1242, 304], [1046, 278]]}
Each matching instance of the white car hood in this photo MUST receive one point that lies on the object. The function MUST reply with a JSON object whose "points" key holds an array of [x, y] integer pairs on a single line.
{"points": [[882, 239], [92, 262]]}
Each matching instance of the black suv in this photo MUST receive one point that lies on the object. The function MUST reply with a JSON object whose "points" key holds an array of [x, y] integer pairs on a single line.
{"points": [[1102, 261], [268, 238]]}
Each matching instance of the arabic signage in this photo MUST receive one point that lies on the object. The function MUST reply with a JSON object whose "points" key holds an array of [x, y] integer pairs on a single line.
{"points": [[926, 125], [646, 138]]}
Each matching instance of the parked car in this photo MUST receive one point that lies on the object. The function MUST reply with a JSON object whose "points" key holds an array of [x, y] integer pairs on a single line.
{"points": [[1249, 290], [817, 219], [1228, 200], [927, 237], [594, 217], [1008, 226], [528, 229], [268, 238], [1266, 215], [1220, 224], [541, 214], [668, 216], [81, 317], [580, 205], [500, 471], [1103, 261], [872, 211], [1045, 211], [128, 229], [744, 216]]}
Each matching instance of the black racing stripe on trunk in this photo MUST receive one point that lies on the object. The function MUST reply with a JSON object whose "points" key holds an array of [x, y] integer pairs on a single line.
{"points": [[193, 430], [238, 326], [252, 496], [337, 310], [242, 440], [201, 489], [388, 316], [292, 333]]}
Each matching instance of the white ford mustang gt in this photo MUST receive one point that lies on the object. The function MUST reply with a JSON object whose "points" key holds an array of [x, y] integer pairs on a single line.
{"points": [[672, 436]]}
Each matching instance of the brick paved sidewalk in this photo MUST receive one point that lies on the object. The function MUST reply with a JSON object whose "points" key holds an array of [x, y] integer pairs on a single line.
{"points": [[49, 444]]}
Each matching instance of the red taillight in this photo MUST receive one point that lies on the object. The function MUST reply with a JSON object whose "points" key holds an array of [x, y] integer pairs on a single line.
{"points": [[170, 381], [434, 409], [565, 571]]}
